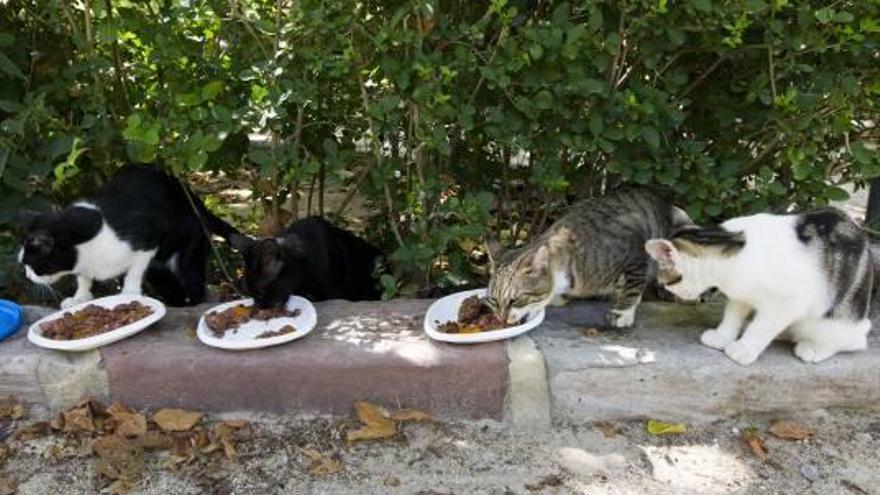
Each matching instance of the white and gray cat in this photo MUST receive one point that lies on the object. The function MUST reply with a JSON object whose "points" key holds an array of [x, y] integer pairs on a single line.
{"points": [[809, 278], [140, 226], [595, 249]]}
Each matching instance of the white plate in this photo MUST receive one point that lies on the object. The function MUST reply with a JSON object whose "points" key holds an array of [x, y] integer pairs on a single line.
{"points": [[446, 309], [35, 333], [245, 336]]}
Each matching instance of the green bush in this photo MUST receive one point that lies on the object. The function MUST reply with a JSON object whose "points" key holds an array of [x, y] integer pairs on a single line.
{"points": [[451, 118]]}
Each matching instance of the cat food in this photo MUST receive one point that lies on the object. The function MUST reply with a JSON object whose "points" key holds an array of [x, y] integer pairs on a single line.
{"points": [[474, 316], [286, 329], [230, 319], [94, 320]]}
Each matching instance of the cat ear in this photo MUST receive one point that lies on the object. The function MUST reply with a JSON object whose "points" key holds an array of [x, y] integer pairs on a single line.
{"points": [[240, 242], [680, 218], [26, 219], [541, 260], [493, 249], [661, 250]]}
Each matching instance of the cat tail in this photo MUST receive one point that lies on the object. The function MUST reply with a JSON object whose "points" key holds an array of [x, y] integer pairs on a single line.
{"points": [[214, 224]]}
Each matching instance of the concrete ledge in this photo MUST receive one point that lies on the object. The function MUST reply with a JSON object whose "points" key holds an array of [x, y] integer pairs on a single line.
{"points": [[378, 352], [359, 351], [659, 369]]}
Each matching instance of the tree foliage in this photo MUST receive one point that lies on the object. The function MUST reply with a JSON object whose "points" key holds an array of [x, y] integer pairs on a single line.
{"points": [[452, 118]]}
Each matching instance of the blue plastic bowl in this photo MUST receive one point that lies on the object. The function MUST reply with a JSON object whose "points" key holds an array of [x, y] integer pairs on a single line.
{"points": [[10, 318]]}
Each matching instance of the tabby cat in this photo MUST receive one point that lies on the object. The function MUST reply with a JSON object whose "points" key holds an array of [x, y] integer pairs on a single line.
{"points": [[806, 277], [595, 249]]}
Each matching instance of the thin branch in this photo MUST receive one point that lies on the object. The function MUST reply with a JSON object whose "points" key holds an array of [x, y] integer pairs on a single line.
{"points": [[698, 81], [772, 70], [612, 71]]}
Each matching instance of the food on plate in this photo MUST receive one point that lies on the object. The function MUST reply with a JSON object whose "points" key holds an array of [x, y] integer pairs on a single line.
{"points": [[286, 329], [94, 320], [230, 319], [474, 316]]}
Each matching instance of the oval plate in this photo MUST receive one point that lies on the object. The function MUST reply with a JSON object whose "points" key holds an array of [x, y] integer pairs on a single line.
{"points": [[10, 318], [35, 333], [245, 337], [446, 309]]}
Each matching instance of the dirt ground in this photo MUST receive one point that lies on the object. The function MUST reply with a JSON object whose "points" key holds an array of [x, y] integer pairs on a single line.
{"points": [[486, 458]]}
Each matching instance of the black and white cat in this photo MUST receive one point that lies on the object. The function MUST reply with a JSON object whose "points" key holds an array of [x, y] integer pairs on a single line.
{"points": [[310, 258], [140, 225], [809, 278]]}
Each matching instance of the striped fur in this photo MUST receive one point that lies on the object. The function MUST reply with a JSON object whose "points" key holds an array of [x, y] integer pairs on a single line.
{"points": [[595, 249]]}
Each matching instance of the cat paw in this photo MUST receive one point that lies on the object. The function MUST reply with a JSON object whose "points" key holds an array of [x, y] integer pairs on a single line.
{"points": [[812, 352], [73, 301], [128, 291], [715, 339], [621, 319], [741, 352]]}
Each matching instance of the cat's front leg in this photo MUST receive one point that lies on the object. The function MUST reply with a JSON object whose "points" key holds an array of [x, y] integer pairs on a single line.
{"points": [[134, 277], [83, 293], [735, 314], [764, 328], [627, 296]]}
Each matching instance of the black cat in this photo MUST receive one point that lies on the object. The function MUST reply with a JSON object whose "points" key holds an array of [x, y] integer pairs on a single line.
{"points": [[311, 258], [141, 224]]}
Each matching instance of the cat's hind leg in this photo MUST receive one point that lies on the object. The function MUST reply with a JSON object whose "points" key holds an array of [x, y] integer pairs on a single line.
{"points": [[191, 271], [627, 295], [165, 284], [824, 338], [735, 314], [83, 293], [134, 277]]}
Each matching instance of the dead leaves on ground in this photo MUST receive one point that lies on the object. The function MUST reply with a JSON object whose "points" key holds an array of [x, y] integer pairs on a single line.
{"points": [[321, 465], [12, 409], [7, 486], [118, 437], [379, 423], [789, 430], [176, 419], [755, 442]]}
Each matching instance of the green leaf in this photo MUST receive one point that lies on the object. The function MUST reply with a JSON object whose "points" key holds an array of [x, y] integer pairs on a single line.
{"points": [[211, 90], [536, 51], [544, 100], [660, 428], [6, 39], [843, 17], [650, 135], [9, 68], [836, 194]]}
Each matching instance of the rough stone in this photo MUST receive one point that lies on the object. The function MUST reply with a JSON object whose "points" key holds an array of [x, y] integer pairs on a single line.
{"points": [[528, 395], [659, 369]]}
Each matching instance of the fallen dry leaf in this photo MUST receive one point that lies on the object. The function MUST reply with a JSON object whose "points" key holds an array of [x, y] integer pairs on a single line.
{"points": [[228, 447], [7, 486], [789, 430], [12, 409], [4, 453], [176, 419], [35, 430], [127, 423], [118, 458], [79, 419], [392, 481], [410, 415], [591, 332], [661, 428], [608, 430], [322, 465], [755, 442], [376, 425], [154, 440]]}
